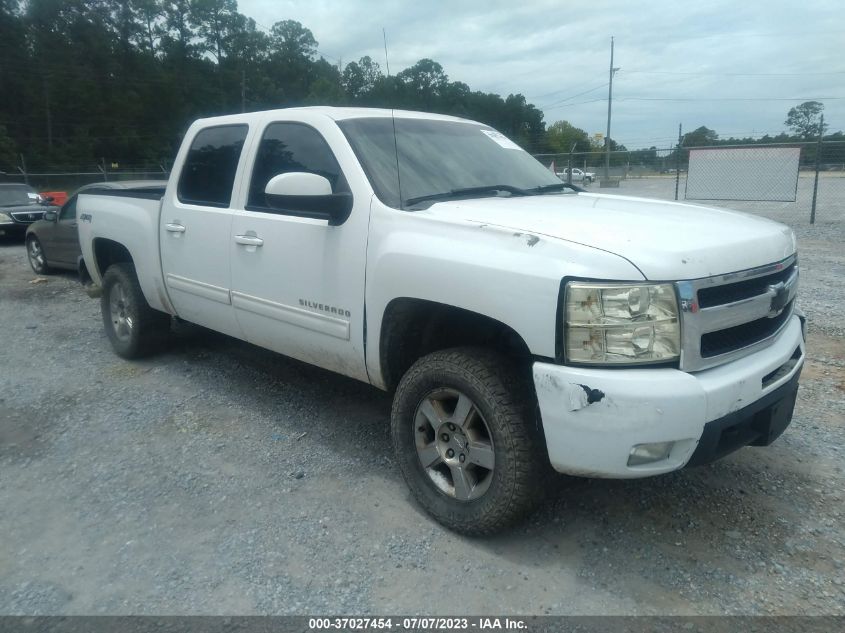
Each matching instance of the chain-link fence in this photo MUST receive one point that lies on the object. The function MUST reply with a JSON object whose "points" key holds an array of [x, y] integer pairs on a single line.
{"points": [[815, 192], [70, 178], [736, 179]]}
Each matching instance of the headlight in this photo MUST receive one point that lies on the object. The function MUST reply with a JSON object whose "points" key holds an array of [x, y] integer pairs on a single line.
{"points": [[5, 218], [608, 323]]}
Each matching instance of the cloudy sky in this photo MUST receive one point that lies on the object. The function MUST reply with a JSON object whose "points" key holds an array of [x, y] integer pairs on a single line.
{"points": [[736, 67]]}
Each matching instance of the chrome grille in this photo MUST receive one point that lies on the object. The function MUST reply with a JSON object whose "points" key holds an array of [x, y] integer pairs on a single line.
{"points": [[27, 216], [729, 316]]}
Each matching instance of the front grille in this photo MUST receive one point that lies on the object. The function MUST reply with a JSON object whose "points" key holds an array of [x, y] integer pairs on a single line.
{"points": [[729, 316], [739, 336], [27, 216], [728, 293]]}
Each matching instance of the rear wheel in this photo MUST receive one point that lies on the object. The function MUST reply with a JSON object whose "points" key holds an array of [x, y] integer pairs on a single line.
{"points": [[463, 434], [132, 326], [35, 255]]}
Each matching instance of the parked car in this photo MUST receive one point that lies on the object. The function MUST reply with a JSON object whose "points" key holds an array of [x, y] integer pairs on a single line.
{"points": [[20, 206], [520, 322], [578, 175], [53, 241]]}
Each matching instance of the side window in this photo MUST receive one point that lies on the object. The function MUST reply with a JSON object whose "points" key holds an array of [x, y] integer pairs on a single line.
{"points": [[287, 147], [209, 170], [68, 211]]}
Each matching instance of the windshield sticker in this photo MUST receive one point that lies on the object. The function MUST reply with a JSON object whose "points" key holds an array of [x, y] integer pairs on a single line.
{"points": [[501, 139]]}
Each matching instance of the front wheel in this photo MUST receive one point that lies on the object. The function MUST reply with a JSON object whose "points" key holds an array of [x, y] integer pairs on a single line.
{"points": [[465, 440], [35, 255], [132, 326]]}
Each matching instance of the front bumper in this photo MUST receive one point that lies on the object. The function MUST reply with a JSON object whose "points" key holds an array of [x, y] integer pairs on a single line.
{"points": [[13, 228], [593, 418]]}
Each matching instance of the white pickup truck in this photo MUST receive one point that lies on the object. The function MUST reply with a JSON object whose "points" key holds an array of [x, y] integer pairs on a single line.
{"points": [[520, 322], [578, 175]]}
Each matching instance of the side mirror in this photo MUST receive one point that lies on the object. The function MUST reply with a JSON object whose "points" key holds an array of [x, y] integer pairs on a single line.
{"points": [[308, 195], [50, 216]]}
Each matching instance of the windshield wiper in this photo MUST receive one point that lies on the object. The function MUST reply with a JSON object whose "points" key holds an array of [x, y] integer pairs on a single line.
{"points": [[555, 186], [468, 191]]}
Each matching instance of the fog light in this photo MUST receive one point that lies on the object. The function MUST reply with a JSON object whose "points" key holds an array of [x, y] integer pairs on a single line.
{"points": [[649, 453]]}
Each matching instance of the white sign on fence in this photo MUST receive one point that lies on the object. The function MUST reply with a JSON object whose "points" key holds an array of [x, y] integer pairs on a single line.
{"points": [[743, 173]]}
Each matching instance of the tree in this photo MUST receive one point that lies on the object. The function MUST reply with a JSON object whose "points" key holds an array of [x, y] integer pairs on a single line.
{"points": [[148, 12], [8, 154], [291, 41], [562, 135], [122, 79], [700, 137], [360, 77], [804, 120], [177, 37], [215, 20], [426, 77], [249, 45]]}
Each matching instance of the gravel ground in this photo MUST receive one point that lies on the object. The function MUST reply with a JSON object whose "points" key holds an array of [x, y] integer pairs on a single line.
{"points": [[218, 478]]}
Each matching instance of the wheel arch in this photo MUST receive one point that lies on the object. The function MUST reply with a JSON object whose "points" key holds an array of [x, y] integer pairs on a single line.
{"points": [[108, 252], [412, 328]]}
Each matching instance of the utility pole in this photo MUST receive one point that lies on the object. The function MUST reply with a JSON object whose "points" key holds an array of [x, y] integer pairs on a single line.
{"points": [[48, 112], [816, 181], [386, 61], [22, 169], [243, 90], [678, 161], [609, 101]]}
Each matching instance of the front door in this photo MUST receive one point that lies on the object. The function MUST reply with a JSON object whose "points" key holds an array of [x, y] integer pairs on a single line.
{"points": [[298, 283], [196, 219]]}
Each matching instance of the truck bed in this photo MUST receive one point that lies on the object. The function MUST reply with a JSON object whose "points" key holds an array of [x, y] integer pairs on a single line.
{"points": [[129, 218], [147, 193]]}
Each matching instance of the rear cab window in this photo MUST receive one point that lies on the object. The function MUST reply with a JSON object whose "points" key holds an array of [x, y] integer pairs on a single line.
{"points": [[208, 174]]}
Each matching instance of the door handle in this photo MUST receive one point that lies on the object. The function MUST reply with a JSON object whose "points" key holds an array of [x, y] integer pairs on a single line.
{"points": [[72, 225], [249, 240], [174, 228]]}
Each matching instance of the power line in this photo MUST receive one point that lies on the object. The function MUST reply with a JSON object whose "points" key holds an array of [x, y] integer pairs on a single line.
{"points": [[555, 92], [731, 98], [574, 96], [708, 74], [566, 105]]}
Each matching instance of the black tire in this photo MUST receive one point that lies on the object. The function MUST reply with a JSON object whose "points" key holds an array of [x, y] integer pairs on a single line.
{"points": [[504, 398], [35, 255], [147, 328]]}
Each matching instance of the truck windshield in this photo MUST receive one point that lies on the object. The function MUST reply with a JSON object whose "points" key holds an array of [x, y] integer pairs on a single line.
{"points": [[442, 159]]}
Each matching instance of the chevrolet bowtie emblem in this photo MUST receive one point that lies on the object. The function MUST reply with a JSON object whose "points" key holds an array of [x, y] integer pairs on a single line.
{"points": [[779, 299]]}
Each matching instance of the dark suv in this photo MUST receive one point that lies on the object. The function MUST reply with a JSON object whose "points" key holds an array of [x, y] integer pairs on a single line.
{"points": [[20, 206]]}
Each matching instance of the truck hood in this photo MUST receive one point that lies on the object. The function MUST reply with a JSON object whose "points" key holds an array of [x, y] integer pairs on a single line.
{"points": [[665, 240]]}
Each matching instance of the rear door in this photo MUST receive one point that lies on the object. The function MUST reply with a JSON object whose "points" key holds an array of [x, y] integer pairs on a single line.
{"points": [[195, 225], [301, 291]]}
